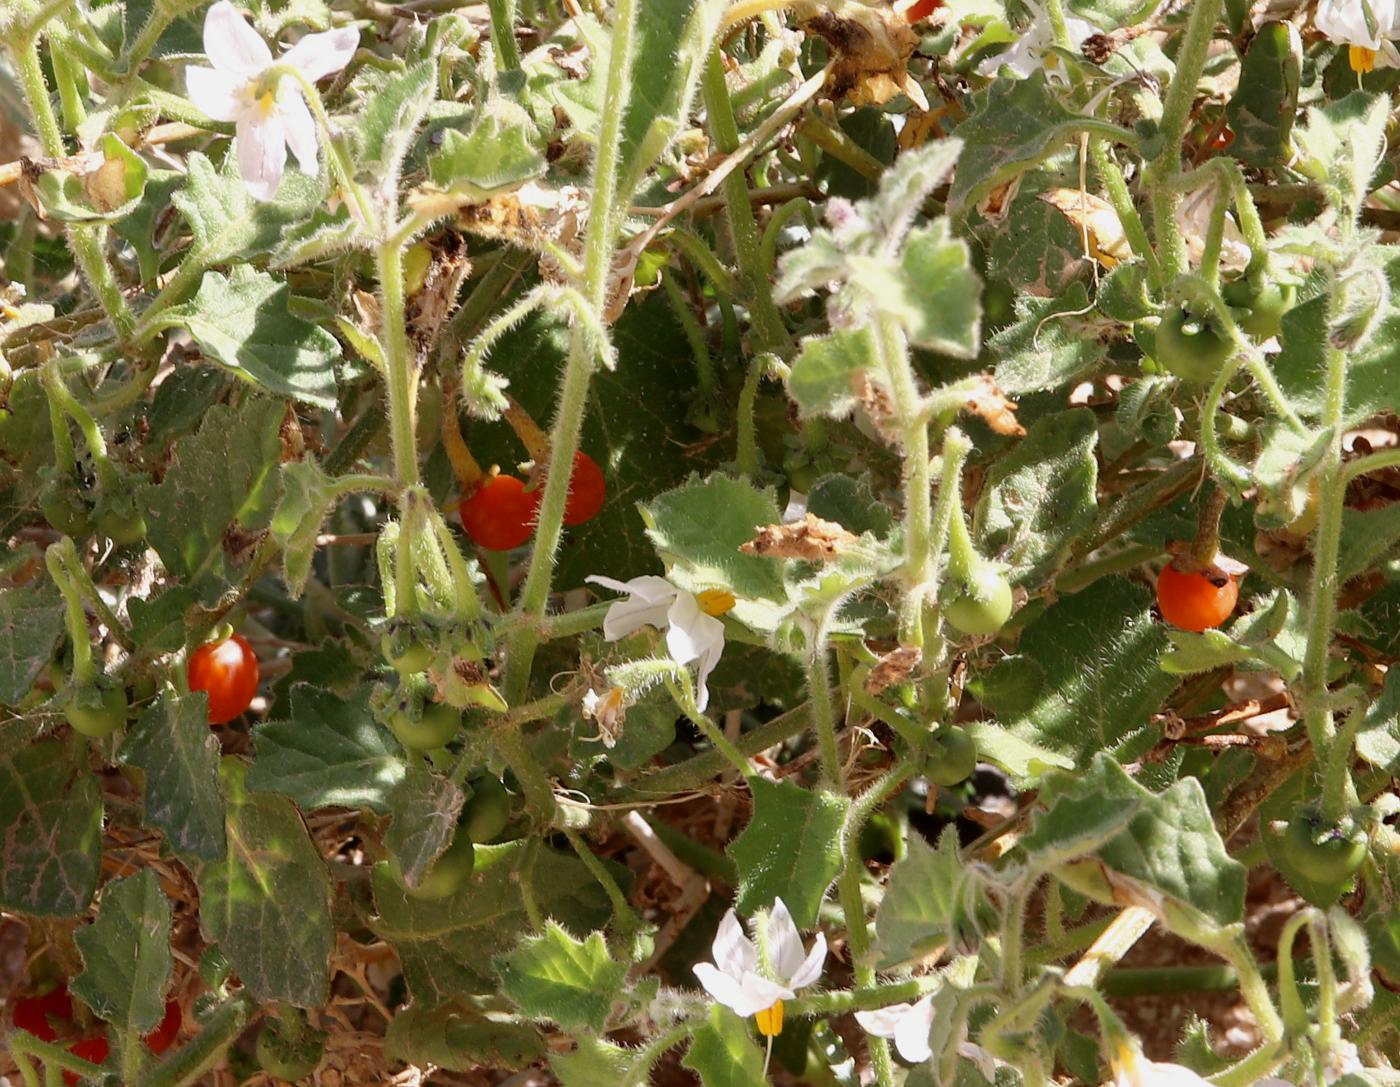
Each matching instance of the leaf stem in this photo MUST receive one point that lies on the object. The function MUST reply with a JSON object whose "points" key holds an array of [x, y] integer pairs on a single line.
{"points": [[503, 34], [60, 558], [1176, 115], [85, 241], [578, 371]]}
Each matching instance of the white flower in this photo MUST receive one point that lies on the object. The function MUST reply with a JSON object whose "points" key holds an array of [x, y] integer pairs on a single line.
{"points": [[1366, 27], [1032, 48], [1132, 1069], [268, 110], [907, 1024], [692, 631], [609, 709], [1193, 214], [735, 981]]}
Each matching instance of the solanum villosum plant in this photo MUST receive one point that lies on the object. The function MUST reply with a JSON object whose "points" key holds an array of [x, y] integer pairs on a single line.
{"points": [[632, 541]]}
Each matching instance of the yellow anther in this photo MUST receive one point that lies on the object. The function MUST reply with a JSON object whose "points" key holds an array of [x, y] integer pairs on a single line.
{"points": [[715, 601], [1362, 60], [770, 1021]]}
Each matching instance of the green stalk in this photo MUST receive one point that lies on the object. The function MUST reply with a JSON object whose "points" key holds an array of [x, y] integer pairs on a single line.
{"points": [[724, 130], [85, 241], [578, 372], [59, 558], [1323, 588], [199, 1056], [1176, 114], [162, 15], [918, 485], [823, 717], [503, 34], [627, 919]]}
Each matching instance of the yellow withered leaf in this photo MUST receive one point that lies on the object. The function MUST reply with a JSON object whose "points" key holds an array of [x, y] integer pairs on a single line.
{"points": [[1096, 220]]}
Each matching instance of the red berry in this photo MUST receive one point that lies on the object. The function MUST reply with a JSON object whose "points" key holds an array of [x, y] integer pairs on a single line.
{"points": [[500, 514], [34, 1013], [587, 490], [227, 672], [921, 9], [89, 1049], [1194, 601], [160, 1039]]}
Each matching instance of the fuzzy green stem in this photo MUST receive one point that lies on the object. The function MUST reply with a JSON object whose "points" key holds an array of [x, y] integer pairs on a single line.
{"points": [[85, 241], [893, 354], [578, 372], [539, 793], [1118, 195], [1325, 584], [682, 691], [823, 716], [1176, 115], [724, 130], [694, 335], [60, 559], [627, 919], [503, 34], [746, 453]]}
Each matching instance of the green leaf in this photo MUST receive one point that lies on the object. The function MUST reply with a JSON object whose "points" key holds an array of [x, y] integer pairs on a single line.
{"points": [[823, 376], [1378, 739], [1167, 851], [1368, 536], [1041, 497], [791, 848], [331, 753], [1085, 678], [425, 807], [942, 294], [723, 1054], [1050, 344], [1034, 245], [672, 40], [218, 477], [31, 619], [227, 222], [851, 503], [596, 1063], [1263, 107], [554, 976], [1016, 123], [446, 946], [267, 904], [700, 526], [923, 901], [107, 194], [51, 830], [307, 497], [242, 322], [1341, 147], [394, 109], [172, 744], [456, 1037], [126, 954], [161, 624], [500, 152], [1111, 14], [1024, 761]]}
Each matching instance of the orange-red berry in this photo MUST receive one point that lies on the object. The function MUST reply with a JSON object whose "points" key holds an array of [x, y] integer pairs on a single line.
{"points": [[1194, 601]]}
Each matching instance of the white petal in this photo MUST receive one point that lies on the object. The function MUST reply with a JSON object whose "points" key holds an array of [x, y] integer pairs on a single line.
{"points": [[648, 600], [692, 634], [758, 994], [734, 952], [811, 967], [318, 55], [648, 587], [300, 128], [882, 1022], [722, 987], [911, 1035], [784, 941], [262, 154], [590, 703], [216, 93], [231, 44], [705, 664]]}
